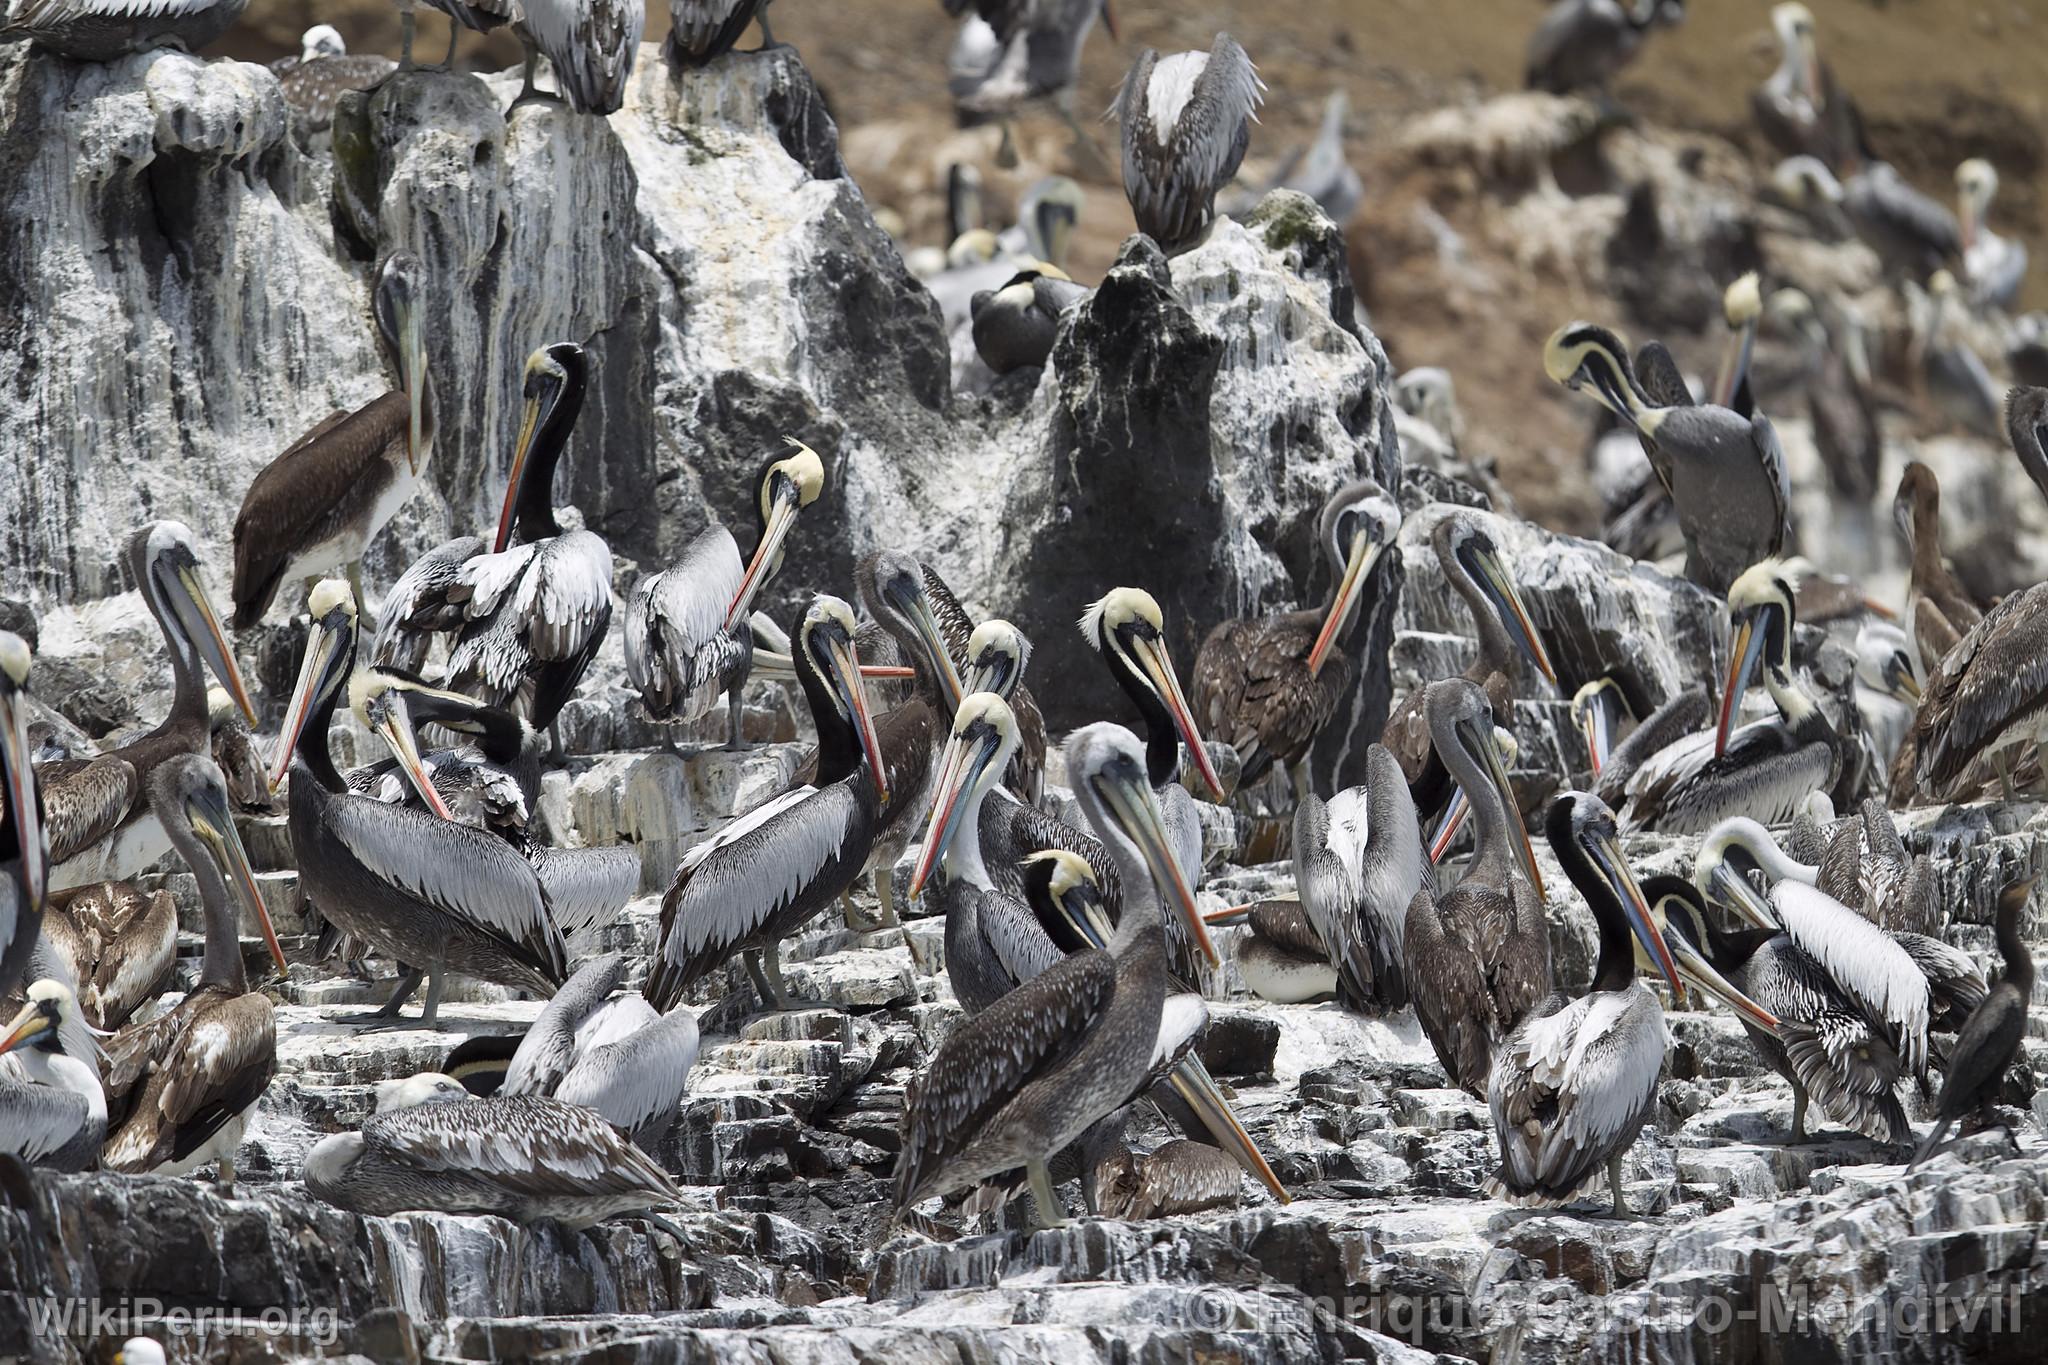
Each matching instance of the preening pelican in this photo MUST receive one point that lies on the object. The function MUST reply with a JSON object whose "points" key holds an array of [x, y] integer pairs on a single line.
{"points": [[1939, 611], [1994, 266], [1357, 865], [1584, 44], [1985, 700], [97, 812], [105, 30], [612, 1054], [185, 1083], [53, 1112], [761, 878], [1992, 1035], [118, 943], [24, 847], [1799, 107], [699, 30], [1186, 119], [1266, 687], [318, 506], [589, 44]]}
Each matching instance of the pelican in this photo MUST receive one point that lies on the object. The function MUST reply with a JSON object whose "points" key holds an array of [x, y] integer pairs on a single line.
{"points": [[319, 505], [187, 1081], [1186, 120], [1765, 768], [1991, 1037], [96, 810], [24, 846], [1886, 689], [1951, 371], [590, 45], [106, 30], [1322, 171], [1281, 956], [53, 1113], [762, 878], [1726, 473], [1799, 107], [1995, 266], [1583, 43], [1838, 392], [1984, 700], [2026, 426], [119, 944], [1014, 326], [424, 891], [1471, 564], [321, 40], [1576, 1080], [1357, 865], [994, 660], [611, 1054], [1013, 51], [700, 30], [530, 1158], [1028, 1076], [1742, 304], [1175, 1178], [1266, 687], [1912, 234], [1603, 706], [687, 641], [1477, 957], [1939, 611]]}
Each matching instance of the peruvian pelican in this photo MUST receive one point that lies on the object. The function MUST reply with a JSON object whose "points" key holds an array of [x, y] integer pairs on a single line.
{"points": [[96, 810], [994, 660], [185, 1083], [1585, 43], [2026, 426], [1799, 107], [700, 30], [1021, 1081], [1886, 689], [1477, 957], [529, 619], [318, 506], [1985, 699], [1990, 1039], [1995, 266], [53, 1111], [1266, 687], [1837, 381], [609, 1053], [530, 1158], [1357, 865], [589, 44], [765, 875], [1939, 610], [1742, 304], [1726, 473], [1187, 119], [1281, 956], [118, 942], [1010, 52], [425, 891], [687, 641], [1176, 1178], [1912, 234], [1576, 1080], [105, 30], [1603, 706], [1763, 769], [24, 846]]}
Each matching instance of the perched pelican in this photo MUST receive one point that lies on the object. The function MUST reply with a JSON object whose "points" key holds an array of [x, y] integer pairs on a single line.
{"points": [[1991, 1037], [699, 30], [430, 1145], [994, 660], [762, 878], [427, 892], [53, 1114], [1186, 120], [1995, 266], [1837, 381], [590, 45], [105, 30], [1281, 957], [187, 1081], [318, 506], [118, 942], [1266, 687], [1742, 304], [1763, 769], [1726, 474], [1013, 51], [24, 846], [1028, 1076], [1175, 1178], [1939, 611], [687, 642], [1951, 371], [1886, 690], [1985, 698], [1357, 865], [1014, 326], [1912, 234], [1477, 956], [1603, 706], [1799, 107], [1576, 1080], [96, 810], [478, 16], [613, 1055], [2026, 426], [1584, 43]]}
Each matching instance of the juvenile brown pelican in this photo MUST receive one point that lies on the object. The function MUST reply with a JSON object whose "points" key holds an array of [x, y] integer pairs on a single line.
{"points": [[1991, 1037], [530, 1158], [427, 892], [1799, 107], [2026, 425], [1357, 865], [24, 847], [762, 878], [187, 1081], [96, 810], [118, 943], [1477, 956], [699, 30], [1985, 698], [104, 30], [1726, 473], [687, 642], [1995, 266], [1281, 957], [589, 44], [1014, 326], [1912, 234], [318, 506], [53, 1111], [1583, 44], [1576, 1080], [1939, 611], [1186, 121], [1266, 687], [1175, 1178]]}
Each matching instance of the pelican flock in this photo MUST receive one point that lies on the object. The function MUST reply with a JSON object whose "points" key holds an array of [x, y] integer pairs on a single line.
{"points": [[1176, 971]]}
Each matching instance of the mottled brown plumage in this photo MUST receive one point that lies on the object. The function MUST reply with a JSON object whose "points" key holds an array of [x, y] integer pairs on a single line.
{"points": [[118, 942], [1938, 610]]}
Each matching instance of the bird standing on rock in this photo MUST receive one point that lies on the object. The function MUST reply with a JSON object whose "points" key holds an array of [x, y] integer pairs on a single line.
{"points": [[1186, 122]]}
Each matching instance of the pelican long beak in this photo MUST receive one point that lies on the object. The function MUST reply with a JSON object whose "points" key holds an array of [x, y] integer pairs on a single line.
{"points": [[413, 376], [1133, 807], [26, 1026], [394, 725], [20, 798], [1488, 754], [1192, 1082], [1728, 887], [1109, 22], [1701, 973], [1595, 726], [941, 657], [1229, 914], [781, 520], [1743, 653], [195, 612], [1811, 53], [215, 826], [846, 664], [960, 767], [1363, 552], [529, 424], [1607, 858], [1453, 820], [1158, 666], [1905, 687], [1514, 614], [1734, 363], [321, 644]]}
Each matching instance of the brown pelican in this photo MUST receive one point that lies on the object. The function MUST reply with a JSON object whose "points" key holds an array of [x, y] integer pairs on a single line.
{"points": [[1013, 51], [424, 891], [1995, 266], [24, 847], [1477, 956], [762, 878], [1357, 865], [1028, 1076], [2026, 426], [1838, 392], [530, 1158], [97, 812], [1765, 768], [1186, 120], [104, 30], [1984, 700], [1175, 1178], [118, 943], [699, 30], [1584, 43], [1281, 956], [1939, 611], [1726, 473], [609, 1053], [186, 1082], [1913, 235], [1266, 687], [687, 642], [589, 44], [1014, 326], [318, 506], [53, 1111], [1800, 108], [1991, 1037], [1576, 1080], [1603, 706]]}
